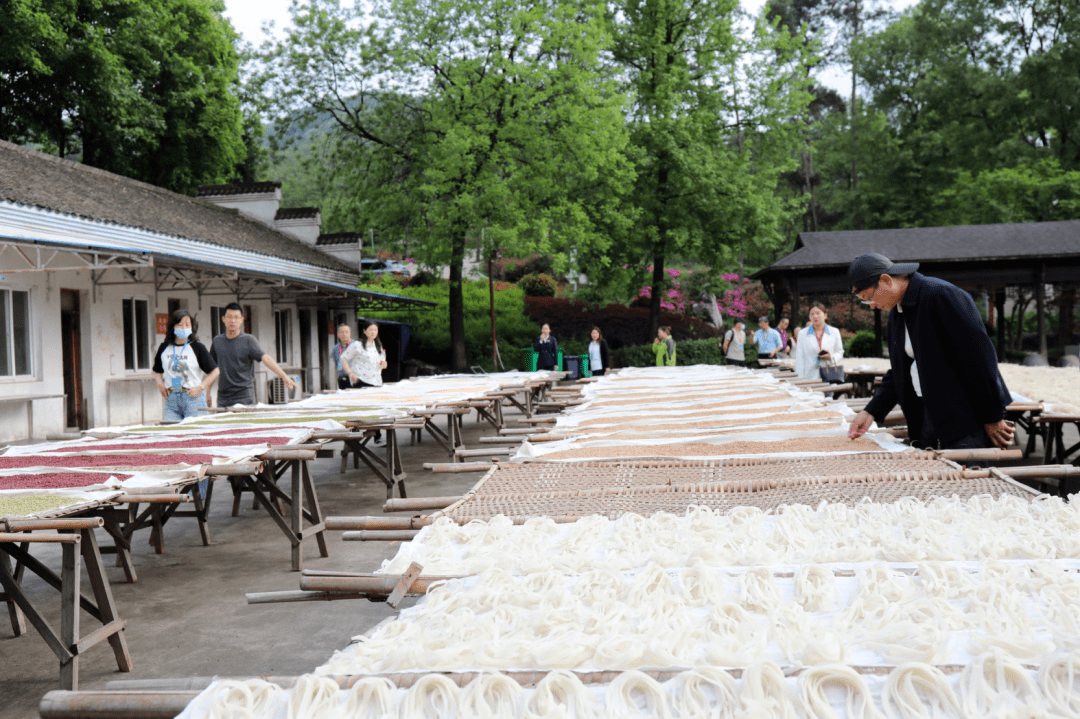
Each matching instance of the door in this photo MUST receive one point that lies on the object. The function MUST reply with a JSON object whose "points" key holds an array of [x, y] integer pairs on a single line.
{"points": [[327, 375], [307, 376], [70, 332]]}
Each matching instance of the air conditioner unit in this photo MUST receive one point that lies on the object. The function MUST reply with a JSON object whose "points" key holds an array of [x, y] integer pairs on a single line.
{"points": [[276, 392]]}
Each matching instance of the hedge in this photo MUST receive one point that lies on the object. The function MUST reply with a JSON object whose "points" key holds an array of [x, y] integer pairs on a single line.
{"points": [[687, 352], [622, 326]]}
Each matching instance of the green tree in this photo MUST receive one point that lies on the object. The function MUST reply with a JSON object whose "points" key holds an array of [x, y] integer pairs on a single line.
{"points": [[963, 90], [144, 89], [702, 187], [459, 116]]}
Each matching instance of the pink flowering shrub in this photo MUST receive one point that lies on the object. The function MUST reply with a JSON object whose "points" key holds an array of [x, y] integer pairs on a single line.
{"points": [[737, 300]]}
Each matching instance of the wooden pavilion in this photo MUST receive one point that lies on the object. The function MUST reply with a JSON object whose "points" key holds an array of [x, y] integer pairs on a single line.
{"points": [[979, 258]]}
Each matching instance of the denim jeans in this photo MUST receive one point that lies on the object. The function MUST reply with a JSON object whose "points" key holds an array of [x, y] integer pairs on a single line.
{"points": [[180, 405]]}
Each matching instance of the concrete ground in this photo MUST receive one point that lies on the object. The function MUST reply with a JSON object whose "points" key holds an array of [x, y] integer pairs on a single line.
{"points": [[187, 615]]}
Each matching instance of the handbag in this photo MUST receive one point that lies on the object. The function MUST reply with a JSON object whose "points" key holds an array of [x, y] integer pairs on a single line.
{"points": [[832, 373]]}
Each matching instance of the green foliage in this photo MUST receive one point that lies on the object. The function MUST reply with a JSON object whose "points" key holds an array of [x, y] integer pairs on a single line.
{"points": [[705, 129], [538, 285], [143, 89], [863, 344], [967, 121], [431, 338], [518, 128]]}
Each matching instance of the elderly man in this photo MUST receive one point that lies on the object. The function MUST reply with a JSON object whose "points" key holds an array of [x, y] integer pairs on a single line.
{"points": [[944, 371], [767, 339]]}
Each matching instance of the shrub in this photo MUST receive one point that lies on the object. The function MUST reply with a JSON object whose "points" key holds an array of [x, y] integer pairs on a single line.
{"points": [[512, 269], [422, 279], [687, 352], [863, 344], [622, 326], [538, 285]]}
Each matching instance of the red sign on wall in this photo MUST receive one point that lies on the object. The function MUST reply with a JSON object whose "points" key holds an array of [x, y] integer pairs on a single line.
{"points": [[162, 321]]}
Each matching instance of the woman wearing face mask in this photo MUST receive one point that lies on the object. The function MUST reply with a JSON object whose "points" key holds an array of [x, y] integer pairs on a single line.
{"points": [[184, 369]]}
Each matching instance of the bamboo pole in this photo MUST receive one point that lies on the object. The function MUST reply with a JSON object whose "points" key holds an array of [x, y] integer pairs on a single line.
{"points": [[288, 454], [153, 498], [394, 535], [118, 705], [24, 525], [40, 538], [458, 466], [376, 584], [986, 454], [337, 524], [418, 503], [237, 469]]}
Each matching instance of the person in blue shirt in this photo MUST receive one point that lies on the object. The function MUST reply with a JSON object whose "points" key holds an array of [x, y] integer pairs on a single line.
{"points": [[767, 339]]}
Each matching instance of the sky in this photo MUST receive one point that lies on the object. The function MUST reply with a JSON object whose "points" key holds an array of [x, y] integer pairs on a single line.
{"points": [[248, 17]]}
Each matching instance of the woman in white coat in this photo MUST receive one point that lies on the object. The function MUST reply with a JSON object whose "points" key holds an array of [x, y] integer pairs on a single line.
{"points": [[818, 344]]}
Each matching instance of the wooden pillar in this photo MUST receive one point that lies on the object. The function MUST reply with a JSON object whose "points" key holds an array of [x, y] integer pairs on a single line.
{"points": [[793, 287], [877, 329], [1040, 307], [1066, 307], [999, 303]]}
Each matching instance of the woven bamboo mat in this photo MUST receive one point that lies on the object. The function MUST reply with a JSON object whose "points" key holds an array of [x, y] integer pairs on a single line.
{"points": [[764, 493], [535, 477]]}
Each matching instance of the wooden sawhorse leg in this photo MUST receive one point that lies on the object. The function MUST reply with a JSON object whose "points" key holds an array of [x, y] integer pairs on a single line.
{"points": [[79, 547]]}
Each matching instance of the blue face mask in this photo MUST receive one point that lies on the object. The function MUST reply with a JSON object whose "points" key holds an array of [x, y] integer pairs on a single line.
{"points": [[182, 332]]}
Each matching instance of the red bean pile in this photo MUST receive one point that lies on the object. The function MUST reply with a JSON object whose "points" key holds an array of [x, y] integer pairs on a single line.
{"points": [[103, 460], [56, 480], [181, 444]]}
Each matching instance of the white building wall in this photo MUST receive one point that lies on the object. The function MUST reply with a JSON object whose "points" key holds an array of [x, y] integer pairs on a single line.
{"points": [[18, 411]]}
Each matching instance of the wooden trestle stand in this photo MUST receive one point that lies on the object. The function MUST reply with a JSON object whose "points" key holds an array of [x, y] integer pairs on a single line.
{"points": [[356, 441], [78, 544], [260, 478]]}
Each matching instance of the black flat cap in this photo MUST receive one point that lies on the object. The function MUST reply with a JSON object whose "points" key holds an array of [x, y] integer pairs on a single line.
{"points": [[865, 270]]}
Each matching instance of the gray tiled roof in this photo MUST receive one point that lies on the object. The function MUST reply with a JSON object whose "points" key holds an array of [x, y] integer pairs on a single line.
{"points": [[238, 188], [296, 213], [36, 179], [962, 243], [339, 238]]}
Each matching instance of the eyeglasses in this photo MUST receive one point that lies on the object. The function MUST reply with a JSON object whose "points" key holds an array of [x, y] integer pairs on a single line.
{"points": [[869, 299]]}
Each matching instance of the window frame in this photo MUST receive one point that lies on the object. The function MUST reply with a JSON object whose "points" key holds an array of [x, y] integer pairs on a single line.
{"points": [[132, 345], [9, 368], [283, 340]]}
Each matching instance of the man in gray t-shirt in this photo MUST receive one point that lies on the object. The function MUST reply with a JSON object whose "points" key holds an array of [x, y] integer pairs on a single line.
{"points": [[236, 354]]}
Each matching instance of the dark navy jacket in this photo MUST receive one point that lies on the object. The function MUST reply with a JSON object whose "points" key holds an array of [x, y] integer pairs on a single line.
{"points": [[548, 352], [962, 388]]}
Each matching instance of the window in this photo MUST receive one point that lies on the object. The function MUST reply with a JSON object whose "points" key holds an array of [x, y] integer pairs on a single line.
{"points": [[136, 334], [283, 336], [15, 333]]}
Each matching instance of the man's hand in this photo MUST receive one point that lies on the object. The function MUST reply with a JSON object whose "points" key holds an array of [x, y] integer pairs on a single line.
{"points": [[195, 391], [1001, 433], [772, 354], [352, 378], [289, 383], [860, 424]]}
